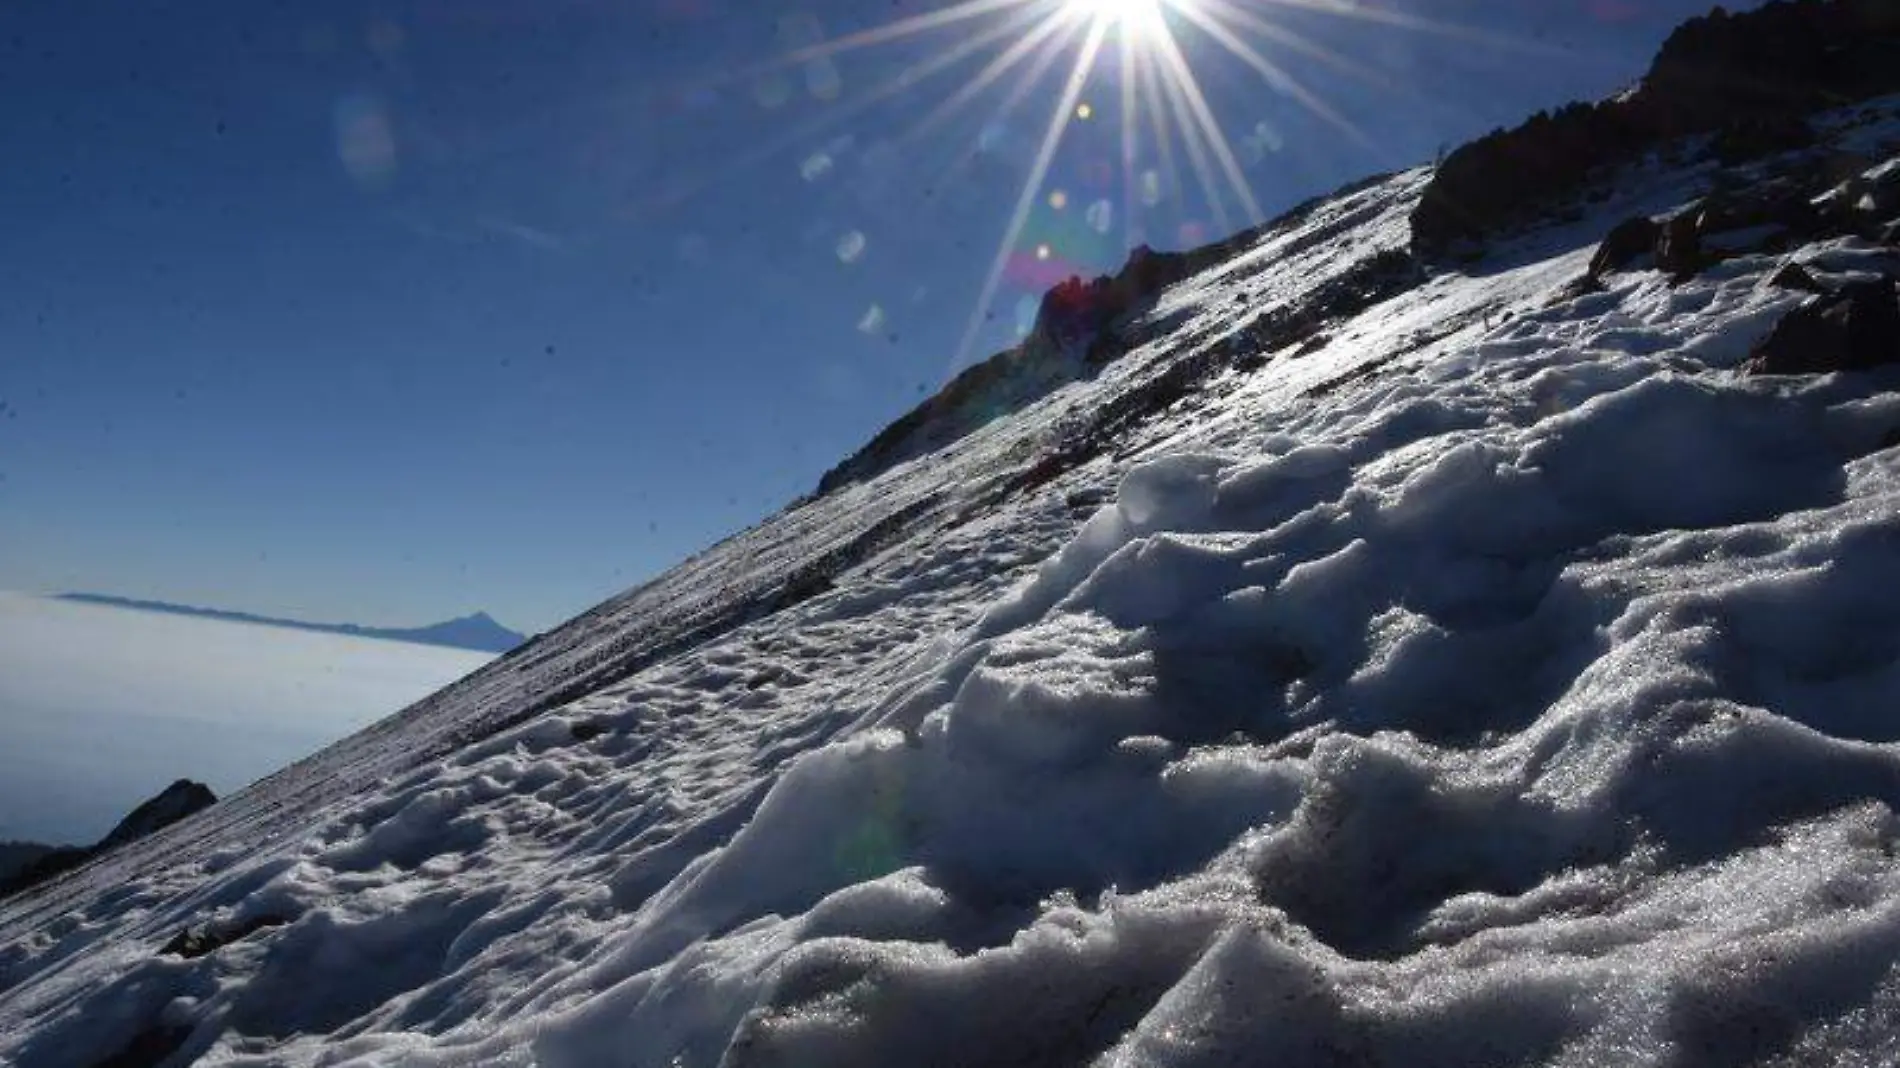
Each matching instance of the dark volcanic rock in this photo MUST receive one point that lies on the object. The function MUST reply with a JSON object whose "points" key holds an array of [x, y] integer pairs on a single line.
{"points": [[1071, 337], [1079, 328], [1853, 329], [1626, 242], [1796, 277], [1747, 78], [1679, 247], [1721, 225], [174, 803]]}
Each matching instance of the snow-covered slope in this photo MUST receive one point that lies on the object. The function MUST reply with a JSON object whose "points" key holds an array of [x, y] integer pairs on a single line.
{"points": [[1373, 666]]}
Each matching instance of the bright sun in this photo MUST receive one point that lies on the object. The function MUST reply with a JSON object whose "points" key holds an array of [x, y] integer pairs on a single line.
{"points": [[1130, 14], [1171, 142]]}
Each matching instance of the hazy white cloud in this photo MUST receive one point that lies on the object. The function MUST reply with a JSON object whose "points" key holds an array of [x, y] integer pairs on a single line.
{"points": [[101, 707]]}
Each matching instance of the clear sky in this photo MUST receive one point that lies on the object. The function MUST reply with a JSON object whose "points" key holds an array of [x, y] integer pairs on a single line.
{"points": [[386, 312]]}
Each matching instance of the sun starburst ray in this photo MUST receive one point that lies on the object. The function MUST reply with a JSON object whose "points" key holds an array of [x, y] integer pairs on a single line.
{"points": [[1266, 68], [807, 132], [1235, 15], [1196, 151], [1158, 122], [1164, 112], [1032, 184], [1418, 24], [1130, 131], [1189, 90], [1019, 90], [910, 26], [990, 74]]}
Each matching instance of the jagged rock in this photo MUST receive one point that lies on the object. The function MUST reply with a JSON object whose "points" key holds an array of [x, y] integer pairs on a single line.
{"points": [[175, 802], [1728, 224], [182, 798], [1073, 335], [1679, 248], [1796, 277], [1853, 329], [1626, 242], [194, 942], [1750, 76]]}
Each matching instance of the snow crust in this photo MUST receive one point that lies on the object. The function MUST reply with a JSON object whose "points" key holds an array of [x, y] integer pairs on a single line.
{"points": [[1508, 681]]}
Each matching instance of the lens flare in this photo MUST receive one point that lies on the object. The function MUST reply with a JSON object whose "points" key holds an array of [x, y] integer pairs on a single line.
{"points": [[1106, 52]]}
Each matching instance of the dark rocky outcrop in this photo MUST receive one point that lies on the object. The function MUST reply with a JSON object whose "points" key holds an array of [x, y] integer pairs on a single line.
{"points": [[1069, 340], [1796, 277], [1771, 217], [177, 801], [182, 798], [1627, 242], [1748, 79], [1086, 436], [1768, 219], [1855, 328], [1080, 327], [16, 857]]}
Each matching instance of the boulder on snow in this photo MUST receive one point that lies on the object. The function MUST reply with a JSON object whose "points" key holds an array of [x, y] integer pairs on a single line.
{"points": [[1679, 246], [1796, 277], [1853, 329], [1626, 242], [1722, 225]]}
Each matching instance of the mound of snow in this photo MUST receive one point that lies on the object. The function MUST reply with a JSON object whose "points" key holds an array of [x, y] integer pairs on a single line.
{"points": [[1496, 676]]}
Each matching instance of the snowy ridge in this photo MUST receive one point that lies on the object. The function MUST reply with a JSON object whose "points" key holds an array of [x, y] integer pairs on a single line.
{"points": [[1493, 677]]}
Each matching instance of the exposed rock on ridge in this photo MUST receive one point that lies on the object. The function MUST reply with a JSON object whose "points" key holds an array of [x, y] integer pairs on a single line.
{"points": [[1747, 78]]}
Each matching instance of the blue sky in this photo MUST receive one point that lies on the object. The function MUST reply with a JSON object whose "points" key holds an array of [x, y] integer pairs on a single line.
{"points": [[386, 312]]}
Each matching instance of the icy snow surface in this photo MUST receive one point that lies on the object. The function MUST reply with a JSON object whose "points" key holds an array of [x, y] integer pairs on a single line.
{"points": [[1507, 681]]}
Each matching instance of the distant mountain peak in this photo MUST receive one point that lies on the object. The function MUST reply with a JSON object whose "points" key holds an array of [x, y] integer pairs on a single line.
{"points": [[478, 631]]}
